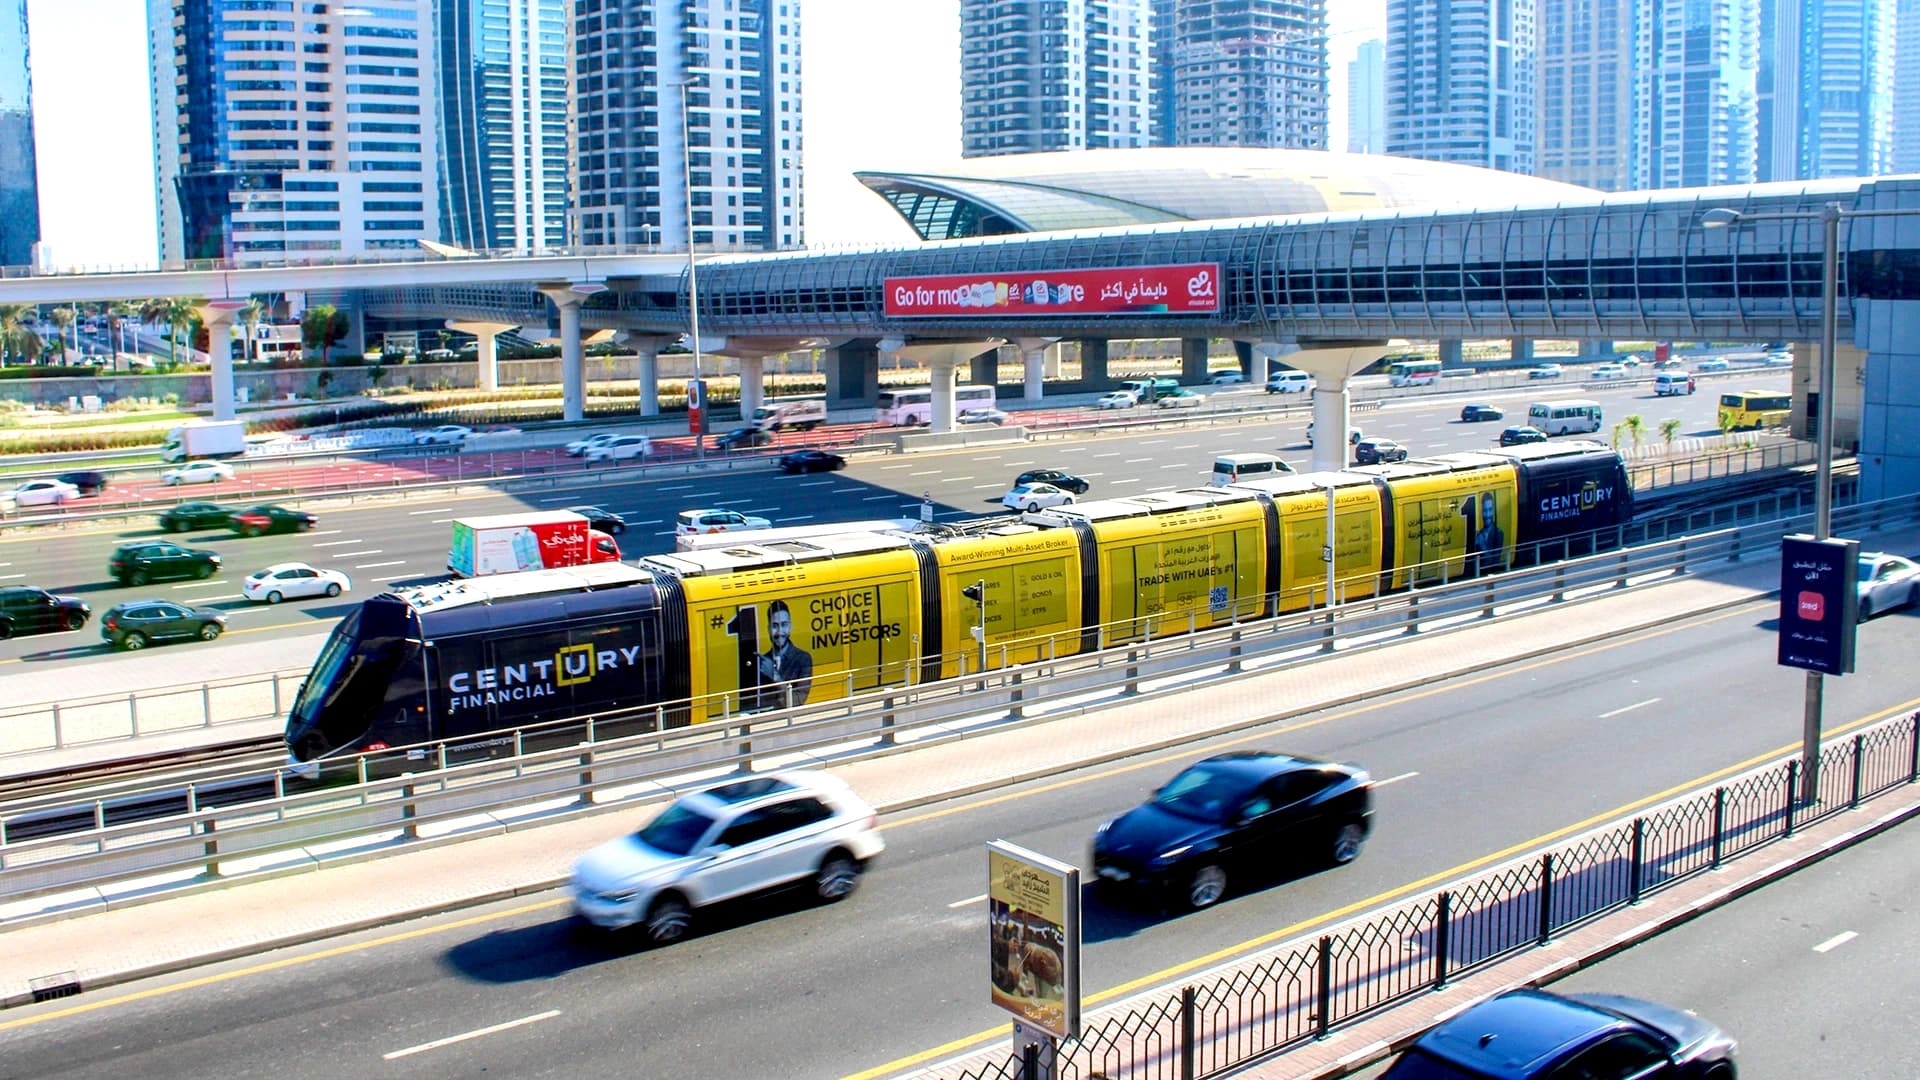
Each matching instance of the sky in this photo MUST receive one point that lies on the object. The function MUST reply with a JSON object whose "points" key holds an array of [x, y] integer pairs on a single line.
{"points": [[881, 91]]}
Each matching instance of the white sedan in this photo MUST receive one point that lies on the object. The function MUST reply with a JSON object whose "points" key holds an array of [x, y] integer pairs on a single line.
{"points": [[621, 448], [1887, 581], [1178, 399], [198, 472], [981, 416], [1227, 378], [1031, 497], [444, 435], [1117, 399], [579, 447], [286, 581], [42, 493]]}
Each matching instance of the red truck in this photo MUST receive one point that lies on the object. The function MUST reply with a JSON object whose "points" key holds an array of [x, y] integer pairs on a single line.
{"points": [[509, 543]]}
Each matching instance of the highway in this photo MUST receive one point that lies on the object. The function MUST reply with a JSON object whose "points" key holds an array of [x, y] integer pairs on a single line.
{"points": [[405, 542], [1472, 771]]}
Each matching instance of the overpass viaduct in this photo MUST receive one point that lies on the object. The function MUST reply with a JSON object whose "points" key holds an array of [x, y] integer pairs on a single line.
{"points": [[1323, 292]]}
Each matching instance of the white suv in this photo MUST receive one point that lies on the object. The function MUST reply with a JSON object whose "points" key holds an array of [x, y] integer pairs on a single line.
{"points": [[700, 522], [742, 836], [620, 448]]}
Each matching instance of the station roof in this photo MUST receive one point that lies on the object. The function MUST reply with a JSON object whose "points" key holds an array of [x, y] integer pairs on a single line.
{"points": [[1082, 189]]}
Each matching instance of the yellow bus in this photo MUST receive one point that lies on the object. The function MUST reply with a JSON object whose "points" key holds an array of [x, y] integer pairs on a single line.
{"points": [[1754, 409]]}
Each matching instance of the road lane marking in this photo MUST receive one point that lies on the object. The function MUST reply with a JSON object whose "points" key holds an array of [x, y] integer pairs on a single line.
{"points": [[339, 543], [1395, 779], [208, 584], [802, 517], [968, 900], [351, 554], [1626, 708], [983, 487], [374, 565], [1835, 942], [431, 510], [325, 532], [475, 1034]]}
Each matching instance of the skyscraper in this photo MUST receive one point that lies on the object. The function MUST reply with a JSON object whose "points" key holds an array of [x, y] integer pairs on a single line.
{"points": [[290, 129], [1905, 135], [1698, 89], [1460, 81], [1584, 112], [1241, 73], [503, 132], [1367, 99], [1044, 75], [725, 74], [1832, 111], [19, 182]]}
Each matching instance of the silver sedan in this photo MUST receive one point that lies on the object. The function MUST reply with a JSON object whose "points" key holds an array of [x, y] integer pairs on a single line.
{"points": [[1887, 581]]}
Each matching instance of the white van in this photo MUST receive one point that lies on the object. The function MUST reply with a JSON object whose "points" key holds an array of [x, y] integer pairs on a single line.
{"points": [[1673, 383], [1233, 468], [1564, 417], [803, 413], [1289, 382]]}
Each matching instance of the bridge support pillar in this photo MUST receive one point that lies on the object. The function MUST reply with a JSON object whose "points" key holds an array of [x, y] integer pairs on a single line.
{"points": [[1450, 353], [943, 360], [753, 375], [1193, 360], [941, 373], [1033, 360], [573, 383], [1332, 365], [1266, 359], [487, 334], [1596, 349], [986, 369], [648, 347], [853, 374], [1093, 364], [1523, 350], [1243, 352], [219, 317]]}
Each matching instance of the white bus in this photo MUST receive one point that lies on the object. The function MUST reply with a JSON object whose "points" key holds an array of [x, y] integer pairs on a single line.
{"points": [[1413, 372], [1564, 417], [905, 408]]}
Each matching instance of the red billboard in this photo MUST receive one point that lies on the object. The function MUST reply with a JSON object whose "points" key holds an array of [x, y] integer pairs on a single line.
{"points": [[1132, 290]]}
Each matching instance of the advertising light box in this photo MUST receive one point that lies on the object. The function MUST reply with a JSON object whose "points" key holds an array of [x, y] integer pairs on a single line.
{"points": [[1819, 603], [1191, 289]]}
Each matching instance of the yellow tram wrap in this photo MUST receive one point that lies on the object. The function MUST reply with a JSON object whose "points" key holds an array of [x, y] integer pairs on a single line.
{"points": [[1033, 598], [1183, 570]]}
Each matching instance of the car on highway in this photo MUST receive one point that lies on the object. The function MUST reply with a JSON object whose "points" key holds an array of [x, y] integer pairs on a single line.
{"points": [[1178, 399], [981, 416], [621, 448], [138, 623], [1544, 371], [1632, 360], [1377, 451], [1353, 435], [1609, 371], [1030, 497], [701, 522], [26, 610], [157, 560], [444, 435], [1713, 363], [195, 515], [41, 493], [268, 518], [1886, 582], [1117, 399], [1059, 478], [197, 472], [1230, 815], [600, 520], [289, 581], [89, 481], [1289, 382], [1529, 1034], [1521, 435], [1781, 359], [1471, 414], [744, 438], [1227, 378], [742, 836], [579, 447], [808, 461]]}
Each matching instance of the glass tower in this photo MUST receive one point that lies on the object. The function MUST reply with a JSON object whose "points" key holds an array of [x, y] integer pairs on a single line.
{"points": [[19, 184], [1046, 75], [1241, 73], [503, 131]]}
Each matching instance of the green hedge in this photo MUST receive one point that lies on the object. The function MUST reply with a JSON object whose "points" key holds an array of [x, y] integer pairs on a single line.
{"points": [[48, 371]]}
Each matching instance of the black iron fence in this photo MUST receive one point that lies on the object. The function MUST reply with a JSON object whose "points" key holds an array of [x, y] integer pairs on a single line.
{"points": [[1280, 1001]]}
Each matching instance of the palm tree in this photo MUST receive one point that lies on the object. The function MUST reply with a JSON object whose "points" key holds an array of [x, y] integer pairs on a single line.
{"points": [[15, 339], [117, 314], [61, 317], [250, 318], [180, 314], [1636, 427], [1669, 429]]}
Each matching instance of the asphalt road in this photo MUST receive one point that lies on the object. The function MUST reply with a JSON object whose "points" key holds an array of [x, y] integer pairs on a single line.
{"points": [[406, 542], [1473, 772]]}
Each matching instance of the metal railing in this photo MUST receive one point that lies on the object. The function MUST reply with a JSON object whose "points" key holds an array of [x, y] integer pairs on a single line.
{"points": [[33, 728], [1305, 989], [195, 836]]}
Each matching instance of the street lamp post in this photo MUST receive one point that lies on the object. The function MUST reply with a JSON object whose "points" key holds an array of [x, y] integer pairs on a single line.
{"points": [[1830, 215], [693, 281]]}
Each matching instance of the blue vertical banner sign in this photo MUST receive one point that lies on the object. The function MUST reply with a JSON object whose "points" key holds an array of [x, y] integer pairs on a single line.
{"points": [[1819, 603]]}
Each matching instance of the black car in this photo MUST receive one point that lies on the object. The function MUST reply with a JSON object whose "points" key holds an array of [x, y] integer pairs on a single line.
{"points": [[605, 521], [1470, 414], [136, 623], [1376, 451], [805, 461], [89, 481], [27, 610], [1234, 813], [156, 560], [188, 516], [1520, 436], [1527, 1033], [1065, 481], [256, 520], [744, 438]]}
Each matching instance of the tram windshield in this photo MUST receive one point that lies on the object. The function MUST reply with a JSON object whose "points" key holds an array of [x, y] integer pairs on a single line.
{"points": [[337, 703]]}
